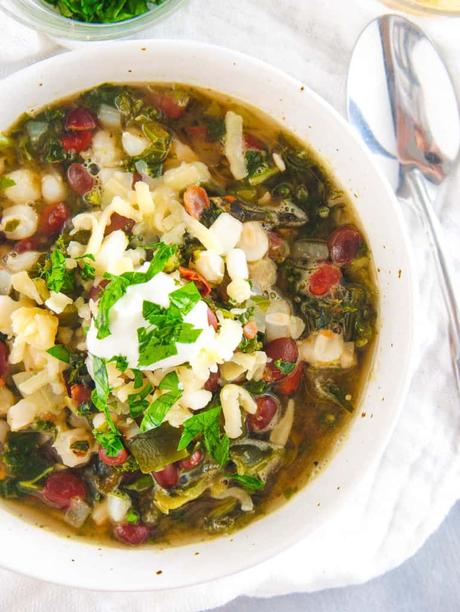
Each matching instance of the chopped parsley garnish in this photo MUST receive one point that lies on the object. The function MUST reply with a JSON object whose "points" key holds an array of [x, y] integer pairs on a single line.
{"points": [[6, 182], [110, 439], [121, 362], [156, 412], [168, 327], [102, 11], [207, 424], [138, 379], [60, 352], [251, 483], [256, 387], [58, 278], [119, 284], [137, 402], [285, 367], [87, 271]]}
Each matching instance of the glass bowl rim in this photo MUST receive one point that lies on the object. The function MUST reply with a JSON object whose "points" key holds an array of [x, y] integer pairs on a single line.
{"points": [[37, 14]]}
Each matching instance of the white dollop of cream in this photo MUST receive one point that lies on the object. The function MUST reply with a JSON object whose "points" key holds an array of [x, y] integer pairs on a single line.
{"points": [[126, 318]]}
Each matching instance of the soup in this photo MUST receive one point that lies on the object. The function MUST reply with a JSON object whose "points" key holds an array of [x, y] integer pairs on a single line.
{"points": [[187, 313]]}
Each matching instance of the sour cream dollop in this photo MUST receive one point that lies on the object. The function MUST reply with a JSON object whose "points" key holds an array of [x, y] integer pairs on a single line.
{"points": [[126, 318]]}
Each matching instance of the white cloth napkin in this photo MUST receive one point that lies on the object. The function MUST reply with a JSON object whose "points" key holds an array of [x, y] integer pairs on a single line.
{"points": [[406, 497]]}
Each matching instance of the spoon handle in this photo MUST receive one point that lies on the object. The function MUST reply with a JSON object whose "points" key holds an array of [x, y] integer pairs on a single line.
{"points": [[416, 184]]}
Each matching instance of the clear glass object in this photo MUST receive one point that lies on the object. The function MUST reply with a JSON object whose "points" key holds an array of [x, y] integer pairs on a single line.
{"points": [[41, 16], [440, 7]]}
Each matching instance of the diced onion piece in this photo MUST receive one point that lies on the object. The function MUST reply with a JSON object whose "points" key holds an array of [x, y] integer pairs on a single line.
{"points": [[234, 145], [22, 283], [279, 162], [226, 231], [322, 349], [18, 222], [231, 371], [118, 505], [210, 265], [100, 514], [16, 262], [7, 400], [53, 188], [195, 400], [237, 265], [186, 174], [109, 117], [279, 305], [134, 143], [58, 302], [296, 327], [26, 188], [277, 325], [182, 152], [34, 382], [239, 290], [253, 241], [5, 282], [144, 198], [77, 513], [348, 357], [7, 307], [263, 273], [22, 414], [281, 431]]}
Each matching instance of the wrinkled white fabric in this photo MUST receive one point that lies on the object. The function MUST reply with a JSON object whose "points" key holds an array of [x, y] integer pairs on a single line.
{"points": [[409, 493]]}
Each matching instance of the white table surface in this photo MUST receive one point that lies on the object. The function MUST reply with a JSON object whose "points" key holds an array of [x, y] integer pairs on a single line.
{"points": [[429, 582]]}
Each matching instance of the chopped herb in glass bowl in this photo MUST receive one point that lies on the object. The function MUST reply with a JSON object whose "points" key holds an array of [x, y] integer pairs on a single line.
{"points": [[103, 11], [88, 20]]}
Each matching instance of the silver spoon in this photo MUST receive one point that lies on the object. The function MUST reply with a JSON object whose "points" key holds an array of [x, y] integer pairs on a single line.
{"points": [[401, 101]]}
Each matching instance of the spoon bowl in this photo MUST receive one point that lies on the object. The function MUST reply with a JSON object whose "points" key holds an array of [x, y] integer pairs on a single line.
{"points": [[401, 100]]}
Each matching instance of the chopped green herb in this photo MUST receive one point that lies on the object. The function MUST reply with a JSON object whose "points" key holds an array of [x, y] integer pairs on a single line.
{"points": [[259, 169], [60, 352], [6, 182], [110, 440], [158, 409], [87, 271], [102, 11], [207, 424], [55, 272], [285, 367], [138, 379], [251, 483], [256, 387], [121, 362], [167, 329], [137, 402]]}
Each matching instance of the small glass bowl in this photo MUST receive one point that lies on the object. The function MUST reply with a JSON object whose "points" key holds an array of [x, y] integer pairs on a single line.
{"points": [[41, 16], [418, 7]]}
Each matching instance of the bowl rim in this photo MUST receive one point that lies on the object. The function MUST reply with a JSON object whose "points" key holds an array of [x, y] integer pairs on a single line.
{"points": [[225, 54]]}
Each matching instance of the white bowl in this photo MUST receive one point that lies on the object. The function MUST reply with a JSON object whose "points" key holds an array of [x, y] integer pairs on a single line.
{"points": [[42, 554]]}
